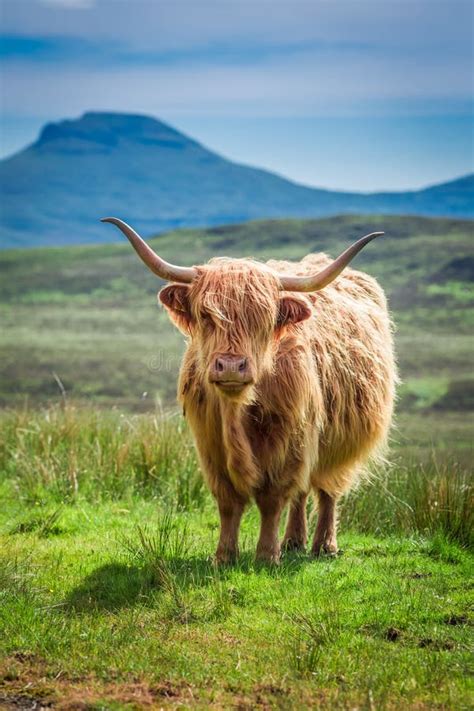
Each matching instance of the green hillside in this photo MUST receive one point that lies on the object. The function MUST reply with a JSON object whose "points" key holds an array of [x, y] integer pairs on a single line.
{"points": [[88, 317]]}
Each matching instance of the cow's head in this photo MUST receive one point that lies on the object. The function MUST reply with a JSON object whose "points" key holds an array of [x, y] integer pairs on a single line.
{"points": [[235, 310]]}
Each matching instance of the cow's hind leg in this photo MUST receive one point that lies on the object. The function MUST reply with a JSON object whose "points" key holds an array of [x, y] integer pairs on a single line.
{"points": [[325, 541], [296, 533], [231, 508]]}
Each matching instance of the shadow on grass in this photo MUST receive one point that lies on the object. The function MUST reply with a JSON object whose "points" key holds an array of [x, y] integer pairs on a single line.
{"points": [[110, 587], [118, 584]]}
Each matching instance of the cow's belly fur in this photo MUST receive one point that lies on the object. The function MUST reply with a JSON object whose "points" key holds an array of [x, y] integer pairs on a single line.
{"points": [[322, 414], [316, 436]]}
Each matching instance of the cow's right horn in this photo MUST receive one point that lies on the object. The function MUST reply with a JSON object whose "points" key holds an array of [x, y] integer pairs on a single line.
{"points": [[158, 266], [315, 282]]}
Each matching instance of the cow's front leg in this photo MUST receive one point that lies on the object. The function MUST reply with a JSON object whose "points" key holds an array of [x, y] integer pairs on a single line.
{"points": [[296, 533], [270, 505], [231, 508], [325, 536]]}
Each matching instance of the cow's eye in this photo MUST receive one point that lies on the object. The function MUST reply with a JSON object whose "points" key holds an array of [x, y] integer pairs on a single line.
{"points": [[207, 320]]}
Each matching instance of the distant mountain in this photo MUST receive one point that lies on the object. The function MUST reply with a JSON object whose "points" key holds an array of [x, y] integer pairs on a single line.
{"points": [[144, 171]]}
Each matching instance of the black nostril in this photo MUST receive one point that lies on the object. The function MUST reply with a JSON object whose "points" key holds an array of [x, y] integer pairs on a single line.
{"points": [[219, 365], [243, 365]]}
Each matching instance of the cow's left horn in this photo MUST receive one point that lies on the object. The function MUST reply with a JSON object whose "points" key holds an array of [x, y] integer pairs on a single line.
{"points": [[158, 266], [315, 282]]}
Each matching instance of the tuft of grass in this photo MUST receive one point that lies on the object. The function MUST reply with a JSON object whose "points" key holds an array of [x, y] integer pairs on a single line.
{"points": [[426, 499], [160, 552], [311, 634], [170, 540], [44, 524], [18, 578], [71, 451]]}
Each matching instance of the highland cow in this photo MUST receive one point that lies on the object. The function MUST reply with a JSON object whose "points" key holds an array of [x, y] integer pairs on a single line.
{"points": [[287, 383]]}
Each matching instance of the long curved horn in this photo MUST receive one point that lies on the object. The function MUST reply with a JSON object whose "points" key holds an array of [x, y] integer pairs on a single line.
{"points": [[315, 282], [158, 266]]}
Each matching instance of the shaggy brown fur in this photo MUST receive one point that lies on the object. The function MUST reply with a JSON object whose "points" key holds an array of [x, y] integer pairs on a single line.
{"points": [[321, 400]]}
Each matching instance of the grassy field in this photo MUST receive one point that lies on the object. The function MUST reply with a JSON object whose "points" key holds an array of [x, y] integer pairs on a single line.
{"points": [[110, 600], [89, 314], [108, 595]]}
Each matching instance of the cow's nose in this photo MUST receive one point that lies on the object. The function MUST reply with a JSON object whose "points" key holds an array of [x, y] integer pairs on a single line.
{"points": [[229, 365], [231, 372]]}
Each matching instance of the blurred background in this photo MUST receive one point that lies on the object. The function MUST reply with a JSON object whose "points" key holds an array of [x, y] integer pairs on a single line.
{"points": [[240, 128]]}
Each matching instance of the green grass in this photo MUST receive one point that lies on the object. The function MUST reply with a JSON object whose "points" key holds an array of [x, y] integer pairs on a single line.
{"points": [[109, 594], [120, 598]]}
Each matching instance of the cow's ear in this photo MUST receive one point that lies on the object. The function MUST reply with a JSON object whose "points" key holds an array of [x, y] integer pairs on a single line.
{"points": [[292, 309], [175, 298]]}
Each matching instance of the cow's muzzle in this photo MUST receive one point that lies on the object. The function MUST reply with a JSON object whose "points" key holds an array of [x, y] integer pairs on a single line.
{"points": [[231, 373]]}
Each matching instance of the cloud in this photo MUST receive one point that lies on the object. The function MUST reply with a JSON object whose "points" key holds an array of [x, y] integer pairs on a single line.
{"points": [[79, 50], [411, 25], [70, 4], [305, 83], [368, 43], [240, 58], [32, 49]]}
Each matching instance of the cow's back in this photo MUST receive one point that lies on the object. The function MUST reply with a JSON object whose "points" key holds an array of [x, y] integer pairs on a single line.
{"points": [[351, 340]]}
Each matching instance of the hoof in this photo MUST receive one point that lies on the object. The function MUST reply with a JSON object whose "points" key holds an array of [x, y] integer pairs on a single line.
{"points": [[325, 549], [271, 557], [292, 544], [222, 558]]}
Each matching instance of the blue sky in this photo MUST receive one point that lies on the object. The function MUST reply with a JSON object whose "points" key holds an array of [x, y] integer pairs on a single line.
{"points": [[346, 94]]}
